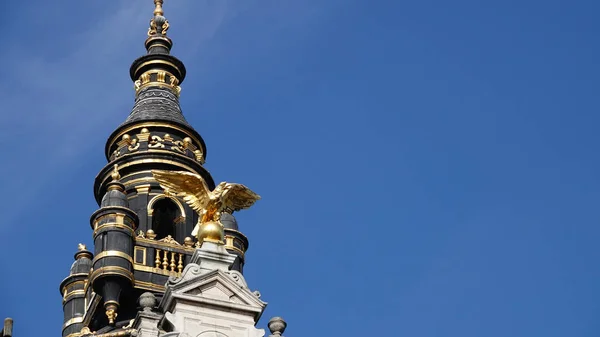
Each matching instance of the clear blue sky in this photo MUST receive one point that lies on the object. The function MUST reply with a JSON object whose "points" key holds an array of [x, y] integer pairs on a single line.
{"points": [[428, 168]]}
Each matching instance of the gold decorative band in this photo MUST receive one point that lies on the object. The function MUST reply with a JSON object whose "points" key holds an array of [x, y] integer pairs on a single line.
{"points": [[154, 270], [150, 125], [73, 284], [151, 160], [160, 79], [156, 37], [120, 333], [159, 244], [73, 293], [112, 270], [149, 286], [113, 225], [234, 248], [214, 241], [157, 62], [72, 321], [139, 86], [230, 244], [143, 189], [118, 217], [141, 252], [113, 253]]}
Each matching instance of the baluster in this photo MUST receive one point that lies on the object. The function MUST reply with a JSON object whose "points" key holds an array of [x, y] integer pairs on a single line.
{"points": [[165, 263], [173, 265], [157, 260], [180, 265]]}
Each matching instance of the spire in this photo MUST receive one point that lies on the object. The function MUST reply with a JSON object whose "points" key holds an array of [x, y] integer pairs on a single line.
{"points": [[159, 25], [158, 67], [155, 132], [157, 76]]}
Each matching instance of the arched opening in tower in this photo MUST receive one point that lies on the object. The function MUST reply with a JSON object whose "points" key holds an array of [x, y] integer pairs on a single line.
{"points": [[165, 215]]}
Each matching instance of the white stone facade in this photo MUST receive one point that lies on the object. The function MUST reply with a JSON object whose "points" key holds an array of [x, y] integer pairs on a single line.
{"points": [[208, 300]]}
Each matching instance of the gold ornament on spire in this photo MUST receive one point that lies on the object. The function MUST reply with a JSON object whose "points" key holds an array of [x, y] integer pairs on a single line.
{"points": [[81, 247], [226, 197], [111, 314], [158, 10], [158, 24], [115, 174]]}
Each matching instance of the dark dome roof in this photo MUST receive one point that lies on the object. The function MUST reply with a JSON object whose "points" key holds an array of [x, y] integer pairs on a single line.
{"points": [[229, 221], [156, 104], [114, 198], [81, 265]]}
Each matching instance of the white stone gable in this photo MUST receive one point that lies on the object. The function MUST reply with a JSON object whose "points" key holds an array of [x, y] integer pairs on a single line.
{"points": [[208, 300], [216, 288]]}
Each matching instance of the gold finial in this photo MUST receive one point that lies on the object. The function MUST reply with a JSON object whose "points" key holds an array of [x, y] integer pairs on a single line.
{"points": [[158, 10], [111, 314], [115, 174], [159, 24], [81, 247], [150, 234]]}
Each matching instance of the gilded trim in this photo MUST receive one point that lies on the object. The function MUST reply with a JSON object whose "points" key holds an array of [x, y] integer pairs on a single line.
{"points": [[114, 302], [154, 243], [64, 289], [112, 270], [149, 286], [73, 294], [112, 253], [176, 89], [90, 309], [156, 150], [140, 180], [169, 152], [157, 62], [121, 333], [134, 174], [116, 215], [143, 189], [229, 244], [236, 231], [113, 225], [147, 161], [143, 250], [158, 125], [72, 321], [160, 74], [154, 270]]}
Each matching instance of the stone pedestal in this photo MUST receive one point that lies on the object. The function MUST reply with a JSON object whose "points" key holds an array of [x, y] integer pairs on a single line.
{"points": [[209, 300], [147, 323]]}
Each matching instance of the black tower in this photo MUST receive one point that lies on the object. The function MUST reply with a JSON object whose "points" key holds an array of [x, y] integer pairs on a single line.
{"points": [[141, 234]]}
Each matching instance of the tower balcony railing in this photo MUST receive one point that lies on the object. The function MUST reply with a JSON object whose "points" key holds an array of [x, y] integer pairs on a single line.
{"points": [[163, 257]]}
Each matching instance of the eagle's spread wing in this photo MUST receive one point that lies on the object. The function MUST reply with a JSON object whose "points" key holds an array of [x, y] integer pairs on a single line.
{"points": [[191, 187], [237, 196]]}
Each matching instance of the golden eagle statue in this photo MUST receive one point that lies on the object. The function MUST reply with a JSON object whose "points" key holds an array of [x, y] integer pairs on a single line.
{"points": [[226, 197]]}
